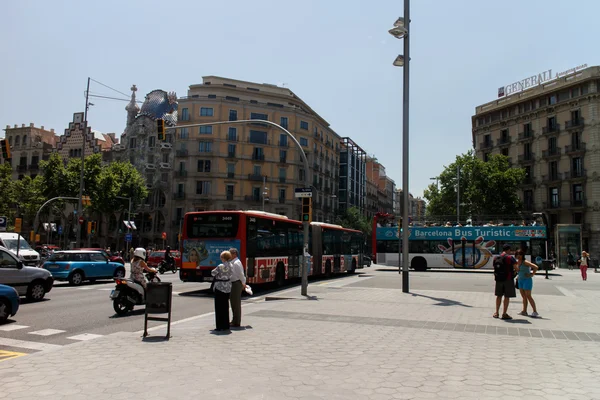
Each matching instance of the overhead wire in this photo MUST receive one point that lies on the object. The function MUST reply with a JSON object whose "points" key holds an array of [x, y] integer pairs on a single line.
{"points": [[106, 86]]}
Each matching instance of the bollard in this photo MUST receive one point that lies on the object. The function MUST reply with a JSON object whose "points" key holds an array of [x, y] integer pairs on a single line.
{"points": [[158, 301]]}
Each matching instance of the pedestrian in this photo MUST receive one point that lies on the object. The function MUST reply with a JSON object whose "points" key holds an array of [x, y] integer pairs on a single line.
{"points": [[504, 272], [570, 260], [131, 250], [584, 262], [238, 284], [222, 288], [526, 282]]}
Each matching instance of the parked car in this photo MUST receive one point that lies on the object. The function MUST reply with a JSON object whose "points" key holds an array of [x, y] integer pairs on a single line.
{"points": [[77, 266], [157, 256], [113, 258], [28, 281], [9, 302], [26, 253]]}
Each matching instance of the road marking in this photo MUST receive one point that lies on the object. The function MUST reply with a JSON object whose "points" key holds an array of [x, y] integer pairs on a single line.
{"points": [[85, 336], [24, 344], [86, 288], [7, 355], [107, 289], [47, 332], [11, 327], [566, 292]]}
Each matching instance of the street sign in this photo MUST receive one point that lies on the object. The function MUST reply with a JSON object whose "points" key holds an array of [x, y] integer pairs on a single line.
{"points": [[80, 220], [3, 223], [60, 229], [128, 237], [164, 236], [303, 192]]}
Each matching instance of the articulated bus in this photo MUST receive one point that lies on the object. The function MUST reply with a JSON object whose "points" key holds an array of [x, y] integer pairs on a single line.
{"points": [[270, 246], [471, 247]]}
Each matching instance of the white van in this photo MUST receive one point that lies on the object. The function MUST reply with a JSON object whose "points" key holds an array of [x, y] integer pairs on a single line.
{"points": [[27, 254]]}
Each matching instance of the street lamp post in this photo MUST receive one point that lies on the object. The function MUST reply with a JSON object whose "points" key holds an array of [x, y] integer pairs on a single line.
{"points": [[306, 224], [401, 31], [457, 194], [83, 140], [128, 220]]}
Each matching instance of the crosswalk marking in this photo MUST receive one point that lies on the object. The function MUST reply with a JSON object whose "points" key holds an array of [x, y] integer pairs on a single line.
{"points": [[24, 344], [85, 336], [47, 332], [12, 327], [86, 288], [7, 355]]}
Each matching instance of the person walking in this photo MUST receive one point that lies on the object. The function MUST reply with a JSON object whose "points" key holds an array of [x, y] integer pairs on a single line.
{"points": [[584, 263], [222, 288], [504, 272], [570, 260], [525, 277], [238, 284]]}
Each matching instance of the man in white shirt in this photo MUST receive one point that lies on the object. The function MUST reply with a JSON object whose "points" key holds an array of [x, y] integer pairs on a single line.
{"points": [[238, 284]]}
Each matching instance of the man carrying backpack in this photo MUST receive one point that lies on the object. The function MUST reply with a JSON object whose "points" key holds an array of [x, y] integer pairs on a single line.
{"points": [[504, 272]]}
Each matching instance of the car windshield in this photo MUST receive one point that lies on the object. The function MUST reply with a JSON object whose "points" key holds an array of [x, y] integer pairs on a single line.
{"points": [[157, 254], [11, 244]]}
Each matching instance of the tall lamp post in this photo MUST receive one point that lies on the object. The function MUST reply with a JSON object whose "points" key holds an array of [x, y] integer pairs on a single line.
{"points": [[81, 175], [401, 31]]}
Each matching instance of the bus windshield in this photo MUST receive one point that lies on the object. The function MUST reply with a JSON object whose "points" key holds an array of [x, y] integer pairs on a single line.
{"points": [[219, 225]]}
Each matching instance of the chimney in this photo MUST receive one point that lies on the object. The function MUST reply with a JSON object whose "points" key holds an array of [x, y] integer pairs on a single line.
{"points": [[15, 125], [31, 124], [52, 130], [42, 128], [22, 125]]}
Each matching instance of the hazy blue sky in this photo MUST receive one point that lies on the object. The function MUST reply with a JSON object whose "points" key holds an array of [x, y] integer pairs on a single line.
{"points": [[336, 55]]}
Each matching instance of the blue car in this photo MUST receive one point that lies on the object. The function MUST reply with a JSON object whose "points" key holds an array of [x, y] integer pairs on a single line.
{"points": [[77, 266], [9, 302]]}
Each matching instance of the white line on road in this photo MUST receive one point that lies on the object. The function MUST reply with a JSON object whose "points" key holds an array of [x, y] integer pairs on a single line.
{"points": [[47, 332], [12, 327], [24, 344], [85, 336], [566, 292], [86, 288]]}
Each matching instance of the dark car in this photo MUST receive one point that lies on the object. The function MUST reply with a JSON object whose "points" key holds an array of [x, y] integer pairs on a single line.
{"points": [[112, 258]]}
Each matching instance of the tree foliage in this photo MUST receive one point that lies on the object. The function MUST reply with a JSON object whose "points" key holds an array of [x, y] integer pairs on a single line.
{"points": [[354, 220], [486, 188], [7, 199]]}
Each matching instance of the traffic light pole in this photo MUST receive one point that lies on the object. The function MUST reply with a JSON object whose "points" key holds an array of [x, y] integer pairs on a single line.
{"points": [[306, 224], [83, 139]]}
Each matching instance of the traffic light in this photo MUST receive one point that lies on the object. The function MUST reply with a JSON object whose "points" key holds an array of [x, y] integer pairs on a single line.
{"points": [[93, 226], [160, 127], [306, 209], [89, 226], [5, 149], [18, 222], [31, 236], [86, 201]]}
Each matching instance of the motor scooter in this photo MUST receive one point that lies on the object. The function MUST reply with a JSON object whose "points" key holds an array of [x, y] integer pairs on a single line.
{"points": [[164, 266], [128, 294]]}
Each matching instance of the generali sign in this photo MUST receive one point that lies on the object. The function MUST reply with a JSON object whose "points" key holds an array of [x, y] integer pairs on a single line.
{"points": [[535, 80]]}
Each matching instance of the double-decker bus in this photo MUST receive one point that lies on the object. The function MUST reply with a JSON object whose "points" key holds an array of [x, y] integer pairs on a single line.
{"points": [[270, 246], [471, 247]]}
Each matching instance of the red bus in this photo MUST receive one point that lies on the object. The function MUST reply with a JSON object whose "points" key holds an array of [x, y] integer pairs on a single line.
{"points": [[270, 246]]}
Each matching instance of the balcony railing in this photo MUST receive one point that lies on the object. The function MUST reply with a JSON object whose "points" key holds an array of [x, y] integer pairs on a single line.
{"points": [[525, 135], [503, 141], [230, 175], [181, 153], [551, 152], [232, 139], [551, 129], [551, 178], [575, 148], [486, 145], [258, 157], [34, 167], [255, 177], [282, 179], [231, 154], [252, 199], [574, 174], [526, 157], [528, 181], [178, 196], [572, 203], [22, 167], [229, 197], [281, 201], [181, 173], [284, 144], [574, 123], [282, 160]]}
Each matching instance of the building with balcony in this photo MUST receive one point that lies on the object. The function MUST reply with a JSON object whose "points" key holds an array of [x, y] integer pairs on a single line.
{"points": [[552, 130], [385, 186], [353, 179], [29, 145], [243, 166]]}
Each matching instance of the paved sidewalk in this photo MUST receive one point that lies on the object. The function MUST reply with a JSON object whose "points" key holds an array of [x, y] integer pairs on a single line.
{"points": [[351, 341]]}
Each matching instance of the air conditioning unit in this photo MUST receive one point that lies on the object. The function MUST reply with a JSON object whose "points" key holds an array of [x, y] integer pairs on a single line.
{"points": [[166, 146], [165, 165], [150, 166]]}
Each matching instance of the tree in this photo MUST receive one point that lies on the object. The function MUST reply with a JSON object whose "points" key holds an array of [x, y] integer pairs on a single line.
{"points": [[30, 197], [486, 188], [7, 199], [354, 220]]}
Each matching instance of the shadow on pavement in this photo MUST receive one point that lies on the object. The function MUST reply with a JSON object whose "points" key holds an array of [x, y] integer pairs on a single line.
{"points": [[517, 321], [461, 271], [442, 301], [155, 339], [26, 301]]}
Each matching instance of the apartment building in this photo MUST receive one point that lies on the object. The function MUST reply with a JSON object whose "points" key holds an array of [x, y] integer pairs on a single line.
{"points": [[385, 186], [353, 180], [548, 124], [29, 145], [237, 166]]}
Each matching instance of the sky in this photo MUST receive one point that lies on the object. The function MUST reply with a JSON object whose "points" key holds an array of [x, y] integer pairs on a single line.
{"points": [[335, 55]]}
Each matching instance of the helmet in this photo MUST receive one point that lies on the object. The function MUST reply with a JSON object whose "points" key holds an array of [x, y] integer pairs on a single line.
{"points": [[139, 252], [168, 248]]}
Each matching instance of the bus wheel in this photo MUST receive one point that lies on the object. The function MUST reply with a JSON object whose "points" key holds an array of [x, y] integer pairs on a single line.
{"points": [[280, 275], [353, 270], [328, 269], [419, 264]]}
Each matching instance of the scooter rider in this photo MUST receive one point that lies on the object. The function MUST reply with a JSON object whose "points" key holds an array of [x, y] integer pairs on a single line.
{"points": [[169, 258], [139, 266]]}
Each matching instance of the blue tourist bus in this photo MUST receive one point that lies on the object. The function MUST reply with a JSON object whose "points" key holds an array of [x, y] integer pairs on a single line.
{"points": [[472, 247]]}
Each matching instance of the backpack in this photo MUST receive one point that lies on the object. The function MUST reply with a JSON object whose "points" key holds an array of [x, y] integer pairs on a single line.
{"points": [[500, 269]]}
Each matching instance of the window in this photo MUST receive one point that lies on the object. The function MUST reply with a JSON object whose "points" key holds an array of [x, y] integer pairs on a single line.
{"points": [[554, 199], [528, 199], [204, 147], [185, 115], [527, 129], [259, 116], [151, 141], [284, 122], [258, 137], [230, 170], [304, 125], [576, 140], [504, 136], [132, 143], [165, 157], [24, 140], [527, 151], [552, 99], [577, 166], [203, 165], [283, 140], [233, 115], [202, 187], [229, 190], [256, 193], [232, 134], [504, 153], [180, 188], [205, 130], [182, 166], [578, 194], [552, 145], [303, 142], [301, 174], [256, 170], [487, 140], [281, 195], [282, 173], [258, 154], [282, 155], [575, 115], [231, 150], [528, 175], [183, 133], [268, 238], [17, 140], [553, 170], [552, 124], [169, 138], [206, 112], [178, 214]]}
